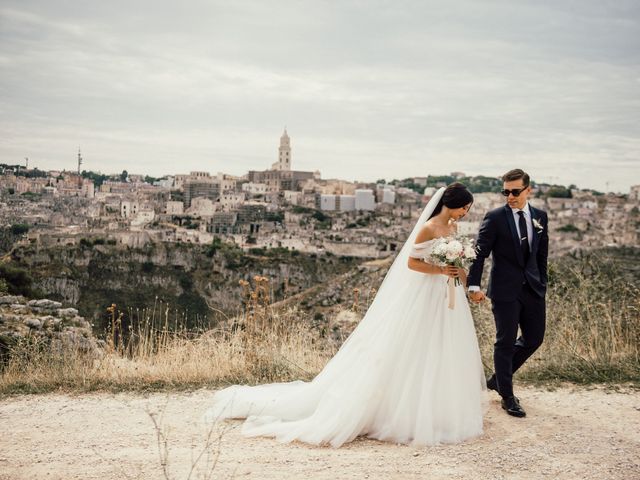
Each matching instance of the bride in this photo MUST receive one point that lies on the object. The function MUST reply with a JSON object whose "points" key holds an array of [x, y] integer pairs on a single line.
{"points": [[409, 373]]}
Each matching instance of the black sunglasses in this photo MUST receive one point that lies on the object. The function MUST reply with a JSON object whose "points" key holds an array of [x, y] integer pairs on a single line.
{"points": [[515, 192]]}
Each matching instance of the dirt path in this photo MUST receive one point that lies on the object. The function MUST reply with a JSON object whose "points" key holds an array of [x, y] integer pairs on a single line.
{"points": [[570, 433]]}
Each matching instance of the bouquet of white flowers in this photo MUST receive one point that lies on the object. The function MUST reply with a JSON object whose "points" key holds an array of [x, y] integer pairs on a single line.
{"points": [[455, 251], [458, 252]]}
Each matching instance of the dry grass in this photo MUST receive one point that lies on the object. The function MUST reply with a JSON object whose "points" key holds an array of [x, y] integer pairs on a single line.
{"points": [[593, 335], [593, 325], [285, 350], [258, 346]]}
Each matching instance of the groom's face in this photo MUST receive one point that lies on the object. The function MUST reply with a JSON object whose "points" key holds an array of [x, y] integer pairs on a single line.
{"points": [[521, 200]]}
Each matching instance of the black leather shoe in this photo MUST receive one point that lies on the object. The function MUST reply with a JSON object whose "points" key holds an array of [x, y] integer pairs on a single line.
{"points": [[513, 408], [492, 384]]}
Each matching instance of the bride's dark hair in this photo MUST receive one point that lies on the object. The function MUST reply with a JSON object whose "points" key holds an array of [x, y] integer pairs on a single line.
{"points": [[455, 195]]}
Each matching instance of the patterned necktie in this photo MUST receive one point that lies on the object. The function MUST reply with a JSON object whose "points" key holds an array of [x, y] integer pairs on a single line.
{"points": [[524, 236]]}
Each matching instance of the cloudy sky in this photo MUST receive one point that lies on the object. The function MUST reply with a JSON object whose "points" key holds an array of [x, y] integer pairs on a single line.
{"points": [[367, 89]]}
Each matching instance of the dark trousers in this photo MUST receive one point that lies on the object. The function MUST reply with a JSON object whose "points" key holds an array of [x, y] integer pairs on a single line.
{"points": [[510, 351]]}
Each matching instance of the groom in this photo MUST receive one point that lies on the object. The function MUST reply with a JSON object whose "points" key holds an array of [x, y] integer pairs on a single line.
{"points": [[517, 238]]}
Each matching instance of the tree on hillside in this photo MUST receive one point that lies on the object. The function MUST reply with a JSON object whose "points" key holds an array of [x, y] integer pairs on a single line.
{"points": [[559, 191], [98, 178]]}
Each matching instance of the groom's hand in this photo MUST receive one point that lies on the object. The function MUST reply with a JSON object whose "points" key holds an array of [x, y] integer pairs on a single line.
{"points": [[477, 296]]}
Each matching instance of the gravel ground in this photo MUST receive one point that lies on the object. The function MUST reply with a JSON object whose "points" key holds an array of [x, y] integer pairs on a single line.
{"points": [[569, 433]]}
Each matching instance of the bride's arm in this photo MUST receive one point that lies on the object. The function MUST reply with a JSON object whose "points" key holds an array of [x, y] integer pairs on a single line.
{"points": [[419, 265]]}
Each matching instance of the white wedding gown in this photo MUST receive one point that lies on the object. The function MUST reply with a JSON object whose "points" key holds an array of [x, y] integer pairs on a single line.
{"points": [[409, 373]]}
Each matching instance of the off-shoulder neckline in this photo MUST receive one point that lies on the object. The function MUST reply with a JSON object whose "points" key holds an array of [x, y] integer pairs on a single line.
{"points": [[427, 241]]}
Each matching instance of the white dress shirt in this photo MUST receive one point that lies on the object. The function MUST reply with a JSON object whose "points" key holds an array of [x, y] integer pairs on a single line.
{"points": [[516, 218]]}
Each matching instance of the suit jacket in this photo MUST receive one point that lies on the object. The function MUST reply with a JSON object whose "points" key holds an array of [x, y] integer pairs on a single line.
{"points": [[498, 236]]}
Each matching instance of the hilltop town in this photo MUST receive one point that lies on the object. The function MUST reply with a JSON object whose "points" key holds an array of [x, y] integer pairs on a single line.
{"points": [[278, 207]]}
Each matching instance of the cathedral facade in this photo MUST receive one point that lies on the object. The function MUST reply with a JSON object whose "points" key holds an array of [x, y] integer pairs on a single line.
{"points": [[281, 177]]}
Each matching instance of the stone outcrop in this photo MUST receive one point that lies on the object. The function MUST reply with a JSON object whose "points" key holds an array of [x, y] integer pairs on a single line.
{"points": [[45, 323]]}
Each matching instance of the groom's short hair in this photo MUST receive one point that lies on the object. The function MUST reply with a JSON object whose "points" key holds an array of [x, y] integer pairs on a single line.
{"points": [[516, 174]]}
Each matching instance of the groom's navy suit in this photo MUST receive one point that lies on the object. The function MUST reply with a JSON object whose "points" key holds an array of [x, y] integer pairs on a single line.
{"points": [[517, 287]]}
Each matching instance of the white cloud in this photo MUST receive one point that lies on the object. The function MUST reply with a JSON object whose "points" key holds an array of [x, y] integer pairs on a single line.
{"points": [[368, 90]]}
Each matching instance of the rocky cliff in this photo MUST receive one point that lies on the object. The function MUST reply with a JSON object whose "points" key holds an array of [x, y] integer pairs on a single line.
{"points": [[195, 280]]}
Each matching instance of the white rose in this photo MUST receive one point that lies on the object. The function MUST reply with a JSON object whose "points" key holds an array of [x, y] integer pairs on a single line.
{"points": [[455, 247]]}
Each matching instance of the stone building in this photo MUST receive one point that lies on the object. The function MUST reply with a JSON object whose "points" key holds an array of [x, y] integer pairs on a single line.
{"points": [[281, 176], [200, 188], [222, 223], [174, 208], [365, 200], [129, 208]]}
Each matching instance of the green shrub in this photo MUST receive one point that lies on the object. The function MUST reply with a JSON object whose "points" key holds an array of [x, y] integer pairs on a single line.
{"points": [[19, 228], [569, 228], [147, 267], [18, 280]]}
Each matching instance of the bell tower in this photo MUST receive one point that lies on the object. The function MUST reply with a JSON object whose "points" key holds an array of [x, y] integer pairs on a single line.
{"points": [[284, 153]]}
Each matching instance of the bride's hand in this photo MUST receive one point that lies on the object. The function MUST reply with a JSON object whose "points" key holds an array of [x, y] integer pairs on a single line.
{"points": [[451, 271]]}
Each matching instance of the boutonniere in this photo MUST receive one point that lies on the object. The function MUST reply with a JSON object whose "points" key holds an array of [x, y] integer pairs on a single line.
{"points": [[537, 225]]}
